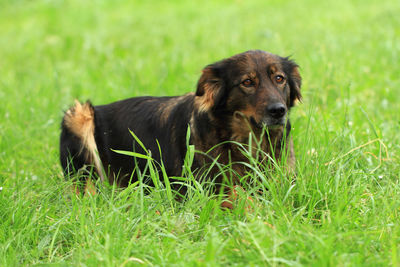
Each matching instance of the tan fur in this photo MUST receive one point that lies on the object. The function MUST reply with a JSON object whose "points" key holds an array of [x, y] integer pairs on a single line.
{"points": [[296, 73], [297, 77], [206, 101], [79, 119], [241, 133], [166, 108], [208, 88], [90, 188]]}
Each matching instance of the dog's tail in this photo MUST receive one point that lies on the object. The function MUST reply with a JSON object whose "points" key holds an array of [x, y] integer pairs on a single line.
{"points": [[79, 119]]}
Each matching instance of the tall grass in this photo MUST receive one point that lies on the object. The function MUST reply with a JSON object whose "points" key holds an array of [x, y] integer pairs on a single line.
{"points": [[342, 209]]}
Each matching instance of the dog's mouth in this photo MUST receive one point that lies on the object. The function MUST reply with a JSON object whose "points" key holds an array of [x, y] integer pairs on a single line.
{"points": [[271, 124]]}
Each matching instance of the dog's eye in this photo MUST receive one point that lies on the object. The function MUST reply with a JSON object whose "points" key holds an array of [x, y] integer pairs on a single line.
{"points": [[247, 83], [279, 78]]}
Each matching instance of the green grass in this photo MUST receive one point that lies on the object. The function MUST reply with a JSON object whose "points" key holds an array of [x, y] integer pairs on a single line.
{"points": [[345, 213]]}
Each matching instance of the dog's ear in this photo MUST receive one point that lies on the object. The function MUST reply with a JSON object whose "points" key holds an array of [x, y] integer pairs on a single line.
{"points": [[210, 88], [294, 83]]}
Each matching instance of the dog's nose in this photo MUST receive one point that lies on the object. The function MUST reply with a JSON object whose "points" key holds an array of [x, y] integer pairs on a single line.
{"points": [[276, 110]]}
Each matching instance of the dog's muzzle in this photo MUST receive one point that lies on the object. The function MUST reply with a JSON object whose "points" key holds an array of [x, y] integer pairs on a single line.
{"points": [[274, 117]]}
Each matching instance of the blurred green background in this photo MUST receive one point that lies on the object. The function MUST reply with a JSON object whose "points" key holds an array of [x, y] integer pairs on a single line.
{"points": [[52, 52]]}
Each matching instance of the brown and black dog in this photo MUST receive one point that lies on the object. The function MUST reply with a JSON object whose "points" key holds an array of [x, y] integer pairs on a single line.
{"points": [[249, 92]]}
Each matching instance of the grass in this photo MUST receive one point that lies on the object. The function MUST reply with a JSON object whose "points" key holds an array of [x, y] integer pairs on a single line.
{"points": [[343, 209]]}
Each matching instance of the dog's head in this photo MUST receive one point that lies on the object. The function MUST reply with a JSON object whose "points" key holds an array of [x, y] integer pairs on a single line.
{"points": [[255, 85]]}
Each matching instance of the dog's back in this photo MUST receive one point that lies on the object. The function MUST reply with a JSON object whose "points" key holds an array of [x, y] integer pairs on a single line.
{"points": [[90, 133]]}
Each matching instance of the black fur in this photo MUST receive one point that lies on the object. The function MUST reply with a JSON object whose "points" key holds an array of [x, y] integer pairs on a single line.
{"points": [[166, 119]]}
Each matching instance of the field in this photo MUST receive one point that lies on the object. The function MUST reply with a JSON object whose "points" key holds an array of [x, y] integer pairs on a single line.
{"points": [[343, 209]]}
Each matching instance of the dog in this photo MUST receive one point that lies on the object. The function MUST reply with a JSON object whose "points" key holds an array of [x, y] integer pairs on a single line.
{"points": [[251, 92]]}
